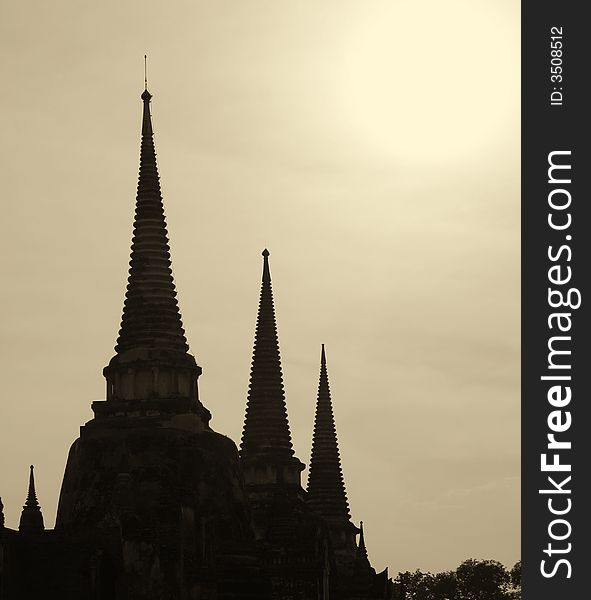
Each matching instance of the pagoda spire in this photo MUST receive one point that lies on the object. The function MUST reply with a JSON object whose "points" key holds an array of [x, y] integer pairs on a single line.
{"points": [[361, 549], [152, 363], [326, 487], [31, 518], [151, 317], [266, 427], [362, 567]]}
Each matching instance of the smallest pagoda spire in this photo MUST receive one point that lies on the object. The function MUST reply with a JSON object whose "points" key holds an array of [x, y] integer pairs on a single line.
{"points": [[31, 517], [361, 549], [326, 486], [362, 567]]}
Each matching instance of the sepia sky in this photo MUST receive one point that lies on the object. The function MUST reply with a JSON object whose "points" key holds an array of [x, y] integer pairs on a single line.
{"points": [[371, 145]]}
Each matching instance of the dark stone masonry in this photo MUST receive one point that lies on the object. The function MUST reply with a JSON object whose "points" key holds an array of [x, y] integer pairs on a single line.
{"points": [[154, 504]]}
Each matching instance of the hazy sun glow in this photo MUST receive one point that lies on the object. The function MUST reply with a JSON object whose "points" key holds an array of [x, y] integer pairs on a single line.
{"points": [[412, 79]]}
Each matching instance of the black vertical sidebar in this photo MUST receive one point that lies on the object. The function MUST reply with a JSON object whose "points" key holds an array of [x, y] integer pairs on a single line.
{"points": [[556, 267]]}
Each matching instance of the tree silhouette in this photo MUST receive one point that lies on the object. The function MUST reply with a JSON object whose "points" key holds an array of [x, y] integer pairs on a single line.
{"points": [[482, 580], [472, 580]]}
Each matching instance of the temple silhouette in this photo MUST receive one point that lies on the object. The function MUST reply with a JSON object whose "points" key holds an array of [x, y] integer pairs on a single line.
{"points": [[155, 504]]}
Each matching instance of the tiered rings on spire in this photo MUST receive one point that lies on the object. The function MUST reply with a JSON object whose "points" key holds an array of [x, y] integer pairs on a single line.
{"points": [[266, 428], [326, 488], [31, 518], [151, 316]]}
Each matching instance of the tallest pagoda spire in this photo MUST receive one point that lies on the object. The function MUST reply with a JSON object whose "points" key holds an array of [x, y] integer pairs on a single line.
{"points": [[151, 316], [151, 364]]}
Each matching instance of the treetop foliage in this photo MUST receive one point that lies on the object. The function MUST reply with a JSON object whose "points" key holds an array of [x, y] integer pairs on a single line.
{"points": [[472, 580]]}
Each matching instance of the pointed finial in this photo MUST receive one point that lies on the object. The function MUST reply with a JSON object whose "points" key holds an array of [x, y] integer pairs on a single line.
{"points": [[146, 96], [323, 357], [266, 271]]}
